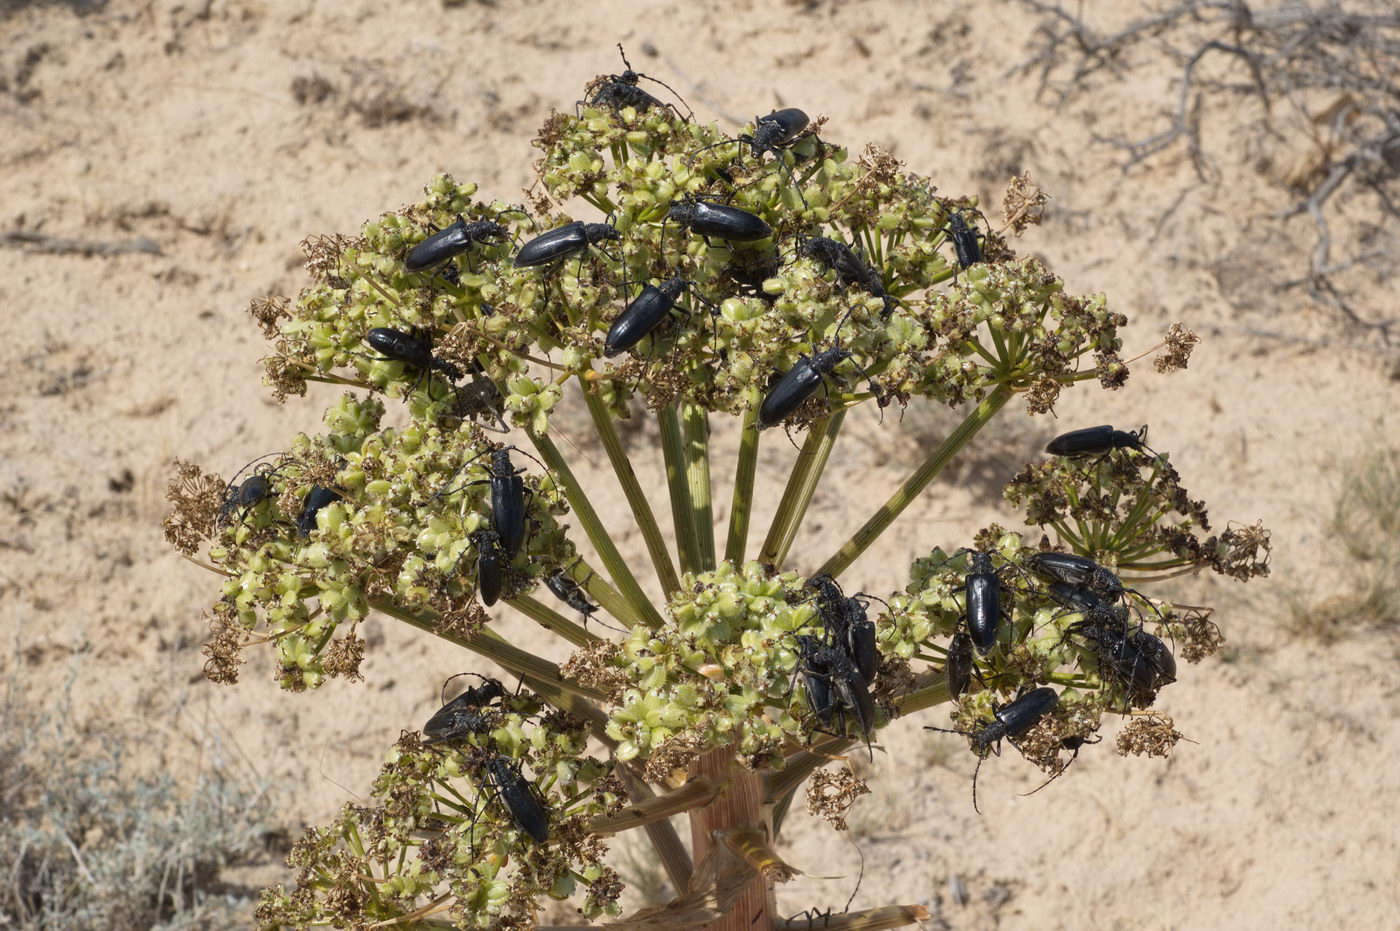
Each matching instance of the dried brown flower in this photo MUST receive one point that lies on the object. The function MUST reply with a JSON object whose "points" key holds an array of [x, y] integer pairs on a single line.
{"points": [[268, 312], [1024, 204], [1177, 351], [198, 499], [1149, 735], [831, 793]]}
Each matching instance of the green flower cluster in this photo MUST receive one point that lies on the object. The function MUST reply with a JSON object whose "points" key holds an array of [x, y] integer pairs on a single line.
{"points": [[751, 311], [722, 672], [439, 830], [401, 532]]}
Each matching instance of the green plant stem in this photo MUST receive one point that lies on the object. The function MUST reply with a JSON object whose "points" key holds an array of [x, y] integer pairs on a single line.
{"points": [[682, 509], [617, 567], [552, 620], [627, 478], [806, 472], [914, 485], [741, 506], [695, 423], [931, 690], [540, 674], [664, 837], [597, 588]]}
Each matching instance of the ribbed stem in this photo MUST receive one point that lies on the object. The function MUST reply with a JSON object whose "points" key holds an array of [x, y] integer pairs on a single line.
{"points": [[695, 422], [552, 620], [914, 485], [741, 506], [617, 567], [682, 510], [740, 806], [627, 478], [597, 588], [806, 472], [540, 674]]}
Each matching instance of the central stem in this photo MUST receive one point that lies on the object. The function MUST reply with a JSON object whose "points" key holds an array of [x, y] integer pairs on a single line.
{"points": [[741, 805]]}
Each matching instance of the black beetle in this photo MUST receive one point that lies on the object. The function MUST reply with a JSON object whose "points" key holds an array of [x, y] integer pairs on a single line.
{"points": [[643, 314], [983, 590], [249, 493], [844, 682], [1082, 571], [398, 346], [957, 668], [1085, 573], [798, 384], [316, 499], [507, 496], [1009, 722], [465, 714], [1097, 441], [570, 592], [815, 678], [616, 91], [965, 243], [860, 642], [777, 129], [491, 562], [1137, 661], [559, 243], [706, 218], [518, 795], [451, 242], [850, 269]]}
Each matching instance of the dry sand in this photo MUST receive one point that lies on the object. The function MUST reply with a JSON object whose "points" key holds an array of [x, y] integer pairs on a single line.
{"points": [[178, 122]]}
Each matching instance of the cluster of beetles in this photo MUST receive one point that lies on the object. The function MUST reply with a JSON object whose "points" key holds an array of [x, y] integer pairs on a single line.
{"points": [[838, 666]]}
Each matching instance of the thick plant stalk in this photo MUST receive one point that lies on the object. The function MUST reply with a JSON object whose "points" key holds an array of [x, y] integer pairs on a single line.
{"points": [[695, 422], [617, 567], [806, 472], [636, 499], [740, 806], [682, 509], [914, 485], [741, 507], [552, 620]]}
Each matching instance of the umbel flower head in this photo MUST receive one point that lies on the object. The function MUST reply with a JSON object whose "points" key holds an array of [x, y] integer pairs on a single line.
{"points": [[782, 283]]}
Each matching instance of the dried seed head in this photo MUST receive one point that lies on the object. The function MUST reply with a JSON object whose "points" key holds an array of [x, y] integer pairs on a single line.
{"points": [[1024, 204], [832, 792], [1149, 735], [1177, 351]]}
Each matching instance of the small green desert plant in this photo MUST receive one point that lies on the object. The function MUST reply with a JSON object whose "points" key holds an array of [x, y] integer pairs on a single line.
{"points": [[721, 699], [94, 842], [1364, 593]]}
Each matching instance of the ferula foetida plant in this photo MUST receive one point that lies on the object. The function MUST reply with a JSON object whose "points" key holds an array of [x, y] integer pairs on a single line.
{"points": [[662, 269]]}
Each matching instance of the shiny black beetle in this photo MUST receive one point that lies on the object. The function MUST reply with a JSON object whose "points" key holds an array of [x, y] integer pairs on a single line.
{"points": [[965, 242], [616, 91], [451, 242], [1097, 441], [316, 499], [519, 796], [1008, 723], [558, 244], [398, 346], [643, 314], [706, 218], [850, 269], [798, 384]]}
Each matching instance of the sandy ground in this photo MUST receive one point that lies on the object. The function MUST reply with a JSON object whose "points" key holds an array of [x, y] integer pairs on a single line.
{"points": [[180, 123]]}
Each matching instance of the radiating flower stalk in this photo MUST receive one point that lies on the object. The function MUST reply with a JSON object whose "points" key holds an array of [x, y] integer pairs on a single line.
{"points": [[704, 704]]}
